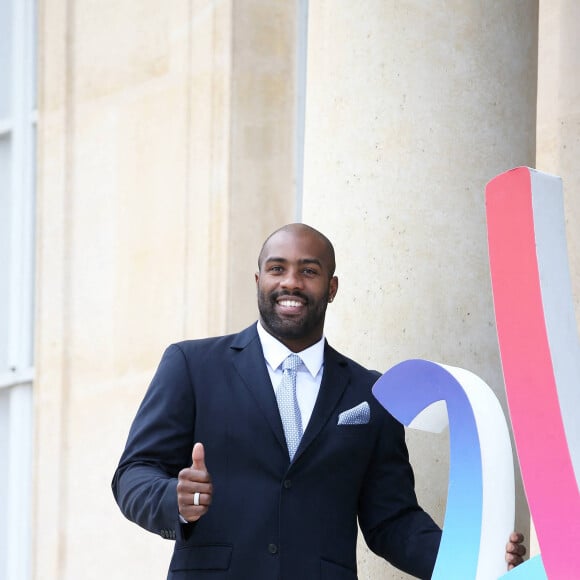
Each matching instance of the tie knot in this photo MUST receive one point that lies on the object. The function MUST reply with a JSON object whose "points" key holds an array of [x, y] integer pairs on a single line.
{"points": [[291, 363]]}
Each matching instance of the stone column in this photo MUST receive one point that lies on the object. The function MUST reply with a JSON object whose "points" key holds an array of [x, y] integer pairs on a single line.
{"points": [[558, 129], [558, 122], [411, 108]]}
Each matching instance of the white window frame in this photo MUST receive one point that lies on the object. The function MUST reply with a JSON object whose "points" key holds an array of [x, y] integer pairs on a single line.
{"points": [[16, 412]]}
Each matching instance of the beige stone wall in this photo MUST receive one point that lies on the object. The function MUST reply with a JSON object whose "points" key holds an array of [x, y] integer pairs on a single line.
{"points": [[411, 109], [166, 153]]}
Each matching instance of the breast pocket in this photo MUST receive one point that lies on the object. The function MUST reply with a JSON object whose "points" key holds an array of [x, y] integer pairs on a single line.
{"points": [[358, 433]]}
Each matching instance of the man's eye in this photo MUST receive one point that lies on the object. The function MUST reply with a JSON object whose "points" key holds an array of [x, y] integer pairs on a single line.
{"points": [[276, 269], [309, 271]]}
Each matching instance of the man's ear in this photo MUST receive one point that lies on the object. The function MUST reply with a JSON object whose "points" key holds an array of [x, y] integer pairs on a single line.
{"points": [[257, 277], [332, 288]]}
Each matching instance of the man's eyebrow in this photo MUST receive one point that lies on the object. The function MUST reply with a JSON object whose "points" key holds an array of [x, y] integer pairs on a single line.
{"points": [[311, 261], [315, 261]]}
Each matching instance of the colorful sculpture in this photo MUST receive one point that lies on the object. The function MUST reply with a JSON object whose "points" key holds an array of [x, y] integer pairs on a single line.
{"points": [[540, 354]]}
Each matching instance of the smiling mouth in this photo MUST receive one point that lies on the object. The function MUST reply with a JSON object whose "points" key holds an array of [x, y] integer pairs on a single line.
{"points": [[289, 303]]}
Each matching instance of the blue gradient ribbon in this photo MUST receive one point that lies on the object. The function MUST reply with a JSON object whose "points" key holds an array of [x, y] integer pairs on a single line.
{"points": [[476, 527]]}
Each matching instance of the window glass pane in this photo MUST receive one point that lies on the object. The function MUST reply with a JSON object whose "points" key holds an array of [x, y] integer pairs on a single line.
{"points": [[4, 449], [29, 259], [5, 57], [33, 48], [19, 476], [5, 232]]}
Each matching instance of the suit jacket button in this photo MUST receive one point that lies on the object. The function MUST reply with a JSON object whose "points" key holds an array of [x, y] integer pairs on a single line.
{"points": [[287, 484], [272, 548]]}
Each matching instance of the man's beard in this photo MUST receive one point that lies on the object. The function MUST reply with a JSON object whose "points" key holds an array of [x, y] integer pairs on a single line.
{"points": [[291, 327]]}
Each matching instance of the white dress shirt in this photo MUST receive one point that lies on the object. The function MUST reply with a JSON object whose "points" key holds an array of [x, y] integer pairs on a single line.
{"points": [[309, 373]]}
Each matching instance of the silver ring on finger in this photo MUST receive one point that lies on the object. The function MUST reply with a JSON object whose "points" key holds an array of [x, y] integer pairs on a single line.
{"points": [[196, 498]]}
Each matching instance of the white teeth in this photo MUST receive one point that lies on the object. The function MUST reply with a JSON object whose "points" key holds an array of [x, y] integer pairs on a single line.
{"points": [[290, 303]]}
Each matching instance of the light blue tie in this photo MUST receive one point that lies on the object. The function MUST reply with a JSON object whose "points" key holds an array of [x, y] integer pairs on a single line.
{"points": [[288, 403]]}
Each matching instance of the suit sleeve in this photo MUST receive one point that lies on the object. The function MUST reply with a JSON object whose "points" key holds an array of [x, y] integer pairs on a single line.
{"points": [[159, 445], [393, 524]]}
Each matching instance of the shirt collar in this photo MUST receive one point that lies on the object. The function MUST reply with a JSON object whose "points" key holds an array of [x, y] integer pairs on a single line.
{"points": [[275, 352]]}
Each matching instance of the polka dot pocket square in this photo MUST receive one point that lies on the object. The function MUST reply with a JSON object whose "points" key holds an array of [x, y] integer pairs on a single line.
{"points": [[359, 415]]}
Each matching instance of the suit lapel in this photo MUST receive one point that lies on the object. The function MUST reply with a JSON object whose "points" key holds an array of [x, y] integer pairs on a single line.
{"points": [[334, 381], [248, 360]]}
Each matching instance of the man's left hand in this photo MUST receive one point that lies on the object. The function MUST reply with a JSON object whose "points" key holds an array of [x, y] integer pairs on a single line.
{"points": [[514, 550]]}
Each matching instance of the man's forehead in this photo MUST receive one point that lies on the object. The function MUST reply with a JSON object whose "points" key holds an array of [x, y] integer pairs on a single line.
{"points": [[304, 244], [297, 246]]}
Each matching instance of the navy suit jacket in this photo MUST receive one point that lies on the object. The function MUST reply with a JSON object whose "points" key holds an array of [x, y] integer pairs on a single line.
{"points": [[270, 519]]}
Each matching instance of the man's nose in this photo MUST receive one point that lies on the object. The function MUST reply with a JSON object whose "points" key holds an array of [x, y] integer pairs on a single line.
{"points": [[291, 279]]}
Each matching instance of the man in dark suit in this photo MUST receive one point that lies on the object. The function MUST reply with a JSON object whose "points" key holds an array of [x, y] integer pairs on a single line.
{"points": [[297, 448]]}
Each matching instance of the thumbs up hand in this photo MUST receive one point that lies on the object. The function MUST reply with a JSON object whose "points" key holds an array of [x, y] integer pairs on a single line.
{"points": [[198, 457], [194, 488]]}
